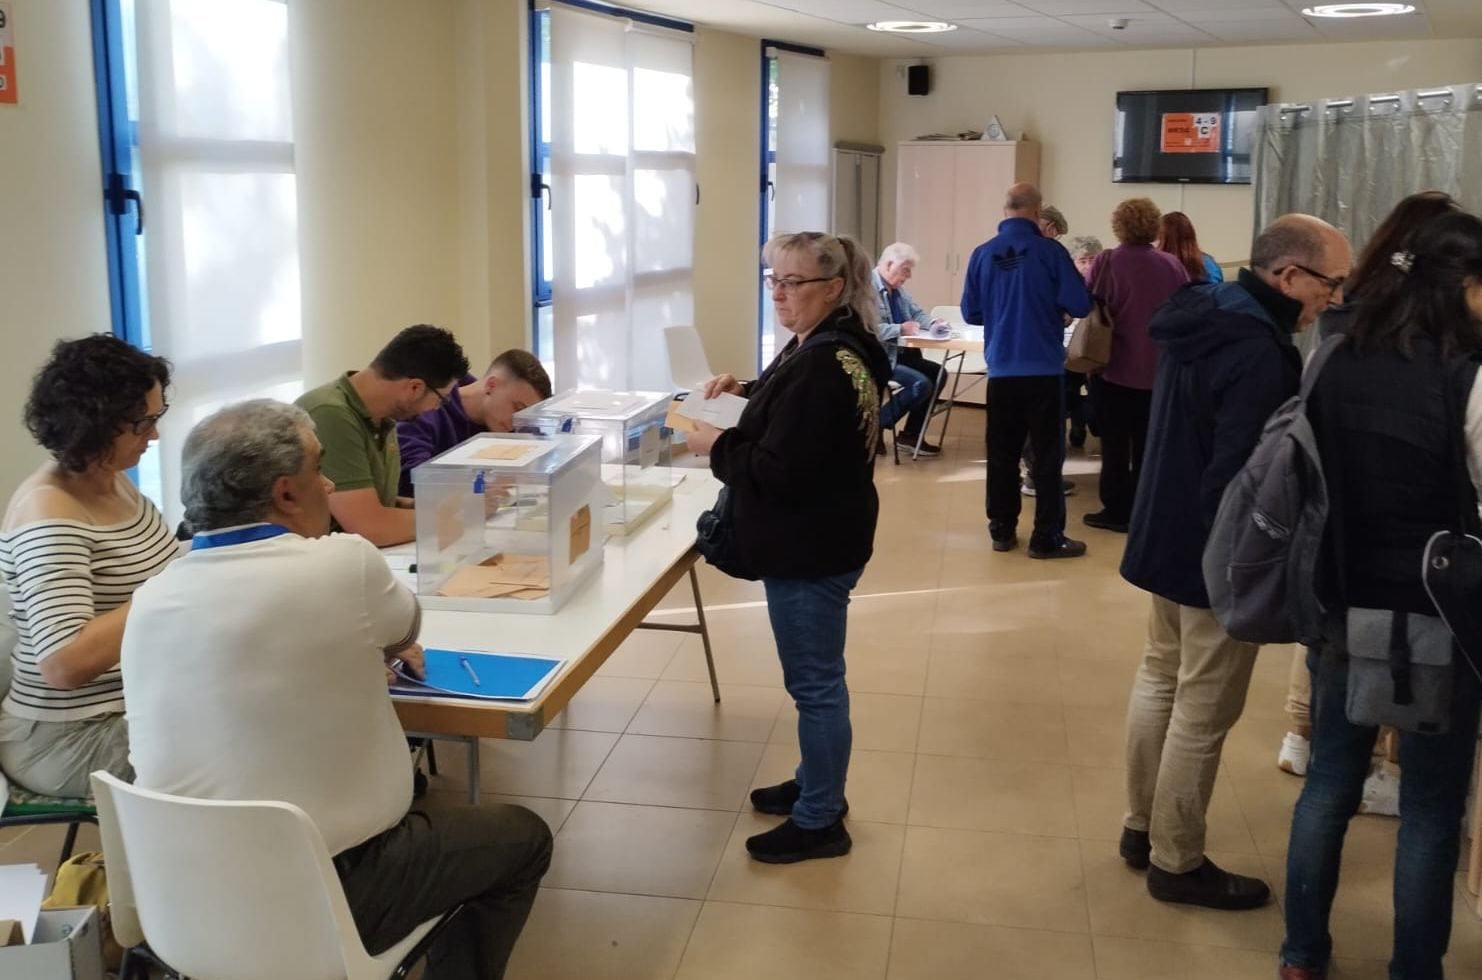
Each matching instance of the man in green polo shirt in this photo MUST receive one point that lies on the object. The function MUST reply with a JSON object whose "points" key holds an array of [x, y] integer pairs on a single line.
{"points": [[355, 419]]}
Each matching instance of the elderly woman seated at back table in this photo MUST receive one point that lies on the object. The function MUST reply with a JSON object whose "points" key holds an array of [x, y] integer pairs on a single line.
{"points": [[77, 539]]}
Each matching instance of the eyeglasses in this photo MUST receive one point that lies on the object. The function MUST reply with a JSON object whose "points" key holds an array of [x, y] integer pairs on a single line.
{"points": [[1333, 283], [144, 423], [441, 398], [791, 285]]}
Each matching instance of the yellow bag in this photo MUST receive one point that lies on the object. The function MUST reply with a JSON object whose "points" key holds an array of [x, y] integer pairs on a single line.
{"points": [[83, 881]]}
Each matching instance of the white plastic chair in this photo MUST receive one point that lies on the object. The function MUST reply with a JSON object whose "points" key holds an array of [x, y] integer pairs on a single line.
{"points": [[688, 367], [227, 890]]}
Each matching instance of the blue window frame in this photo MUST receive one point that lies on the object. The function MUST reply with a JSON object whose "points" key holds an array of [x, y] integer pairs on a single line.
{"points": [[540, 159], [118, 130]]}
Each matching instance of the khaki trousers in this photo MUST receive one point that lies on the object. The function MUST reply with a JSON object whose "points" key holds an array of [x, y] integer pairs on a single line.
{"points": [[1189, 691], [1299, 693]]}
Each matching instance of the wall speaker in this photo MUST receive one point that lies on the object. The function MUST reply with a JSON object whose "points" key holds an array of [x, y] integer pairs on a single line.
{"points": [[918, 79]]}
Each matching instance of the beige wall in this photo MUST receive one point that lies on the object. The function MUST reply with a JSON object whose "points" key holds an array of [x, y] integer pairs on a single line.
{"points": [[53, 269], [1065, 101], [727, 158], [854, 99], [375, 132]]}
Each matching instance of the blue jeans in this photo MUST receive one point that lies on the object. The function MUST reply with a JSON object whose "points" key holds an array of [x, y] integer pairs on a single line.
{"points": [[914, 397], [1435, 771], [808, 622]]}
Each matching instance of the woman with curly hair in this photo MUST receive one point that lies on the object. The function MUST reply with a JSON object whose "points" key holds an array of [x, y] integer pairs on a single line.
{"points": [[76, 541], [1133, 280]]}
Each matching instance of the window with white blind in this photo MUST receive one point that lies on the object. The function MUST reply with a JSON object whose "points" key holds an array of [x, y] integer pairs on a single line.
{"points": [[622, 196], [797, 157], [199, 90]]}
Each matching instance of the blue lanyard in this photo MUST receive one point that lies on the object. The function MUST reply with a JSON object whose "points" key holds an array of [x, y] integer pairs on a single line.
{"points": [[239, 535]]}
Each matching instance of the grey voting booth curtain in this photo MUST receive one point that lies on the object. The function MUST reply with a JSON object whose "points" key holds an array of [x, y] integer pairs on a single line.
{"points": [[1349, 161]]}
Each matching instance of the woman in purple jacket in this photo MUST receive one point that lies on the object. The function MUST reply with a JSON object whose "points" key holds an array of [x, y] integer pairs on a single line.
{"points": [[1133, 279]]}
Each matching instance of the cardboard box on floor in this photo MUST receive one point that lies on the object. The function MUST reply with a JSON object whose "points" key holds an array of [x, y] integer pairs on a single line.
{"points": [[67, 946]]}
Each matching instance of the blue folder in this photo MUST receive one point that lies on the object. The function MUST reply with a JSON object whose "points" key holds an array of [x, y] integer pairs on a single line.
{"points": [[500, 677]]}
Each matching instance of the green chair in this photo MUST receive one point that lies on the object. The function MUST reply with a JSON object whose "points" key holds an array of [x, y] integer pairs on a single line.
{"points": [[26, 809], [22, 808]]}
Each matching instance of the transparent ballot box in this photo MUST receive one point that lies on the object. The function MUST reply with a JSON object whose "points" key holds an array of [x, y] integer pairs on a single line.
{"points": [[509, 523], [635, 446]]}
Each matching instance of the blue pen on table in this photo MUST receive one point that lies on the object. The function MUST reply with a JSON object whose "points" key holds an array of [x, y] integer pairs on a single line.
{"points": [[471, 675]]}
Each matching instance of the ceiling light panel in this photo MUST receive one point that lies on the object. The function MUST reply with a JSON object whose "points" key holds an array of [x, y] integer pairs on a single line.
{"points": [[1353, 11]]}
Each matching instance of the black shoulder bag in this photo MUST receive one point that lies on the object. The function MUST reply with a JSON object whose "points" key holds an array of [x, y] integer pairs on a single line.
{"points": [[1402, 665]]}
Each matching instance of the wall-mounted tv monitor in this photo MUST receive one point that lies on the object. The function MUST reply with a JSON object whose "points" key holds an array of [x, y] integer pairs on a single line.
{"points": [[1185, 136]]}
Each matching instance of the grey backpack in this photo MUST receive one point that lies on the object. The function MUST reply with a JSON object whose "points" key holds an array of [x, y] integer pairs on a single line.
{"points": [[1260, 562]]}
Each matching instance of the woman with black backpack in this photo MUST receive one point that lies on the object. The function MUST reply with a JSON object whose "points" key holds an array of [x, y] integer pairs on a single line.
{"points": [[1398, 416], [800, 510]]}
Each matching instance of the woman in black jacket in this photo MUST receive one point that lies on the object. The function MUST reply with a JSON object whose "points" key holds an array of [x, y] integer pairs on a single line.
{"points": [[799, 467], [1386, 411]]}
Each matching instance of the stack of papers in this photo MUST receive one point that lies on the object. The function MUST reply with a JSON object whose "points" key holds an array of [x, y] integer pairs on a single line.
{"points": [[22, 890], [514, 576], [723, 411]]}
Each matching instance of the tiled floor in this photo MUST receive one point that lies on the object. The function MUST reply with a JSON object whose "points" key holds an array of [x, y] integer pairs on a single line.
{"points": [[988, 699]]}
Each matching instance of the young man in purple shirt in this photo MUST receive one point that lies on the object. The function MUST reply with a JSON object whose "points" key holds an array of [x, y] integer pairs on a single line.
{"points": [[515, 381]]}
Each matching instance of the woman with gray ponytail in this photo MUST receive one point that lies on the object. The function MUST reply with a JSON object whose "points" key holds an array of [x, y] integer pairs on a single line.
{"points": [[799, 474]]}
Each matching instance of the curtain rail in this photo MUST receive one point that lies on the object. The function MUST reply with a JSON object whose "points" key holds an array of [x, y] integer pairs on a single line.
{"points": [[1444, 93]]}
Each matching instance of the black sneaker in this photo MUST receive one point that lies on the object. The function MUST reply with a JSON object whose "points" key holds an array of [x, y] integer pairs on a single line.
{"points": [[1209, 886], [1104, 521], [1136, 849], [1067, 548], [788, 843], [1005, 544], [908, 441], [779, 799], [880, 446]]}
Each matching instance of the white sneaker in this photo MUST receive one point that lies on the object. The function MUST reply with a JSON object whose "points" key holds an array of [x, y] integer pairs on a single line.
{"points": [[1294, 755], [1381, 794]]}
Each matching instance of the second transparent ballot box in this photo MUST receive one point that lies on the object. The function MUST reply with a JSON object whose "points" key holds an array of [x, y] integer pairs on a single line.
{"points": [[636, 464], [509, 522]]}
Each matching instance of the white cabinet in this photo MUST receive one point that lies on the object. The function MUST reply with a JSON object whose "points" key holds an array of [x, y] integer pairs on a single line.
{"points": [[948, 201]]}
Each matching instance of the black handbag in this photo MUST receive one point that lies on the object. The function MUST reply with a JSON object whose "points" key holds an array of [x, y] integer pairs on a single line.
{"points": [[715, 538], [715, 529], [1452, 568]]}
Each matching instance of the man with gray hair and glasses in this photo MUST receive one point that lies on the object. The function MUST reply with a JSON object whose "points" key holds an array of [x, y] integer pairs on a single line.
{"points": [[900, 316], [1226, 361], [258, 671]]}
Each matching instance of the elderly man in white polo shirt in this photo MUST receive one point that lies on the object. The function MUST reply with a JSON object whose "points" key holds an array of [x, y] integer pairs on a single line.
{"points": [[256, 669]]}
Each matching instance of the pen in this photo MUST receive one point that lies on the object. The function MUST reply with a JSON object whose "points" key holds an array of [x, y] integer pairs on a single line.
{"points": [[471, 675]]}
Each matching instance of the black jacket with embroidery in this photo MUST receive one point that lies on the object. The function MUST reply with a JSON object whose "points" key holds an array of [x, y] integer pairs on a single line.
{"points": [[800, 463]]}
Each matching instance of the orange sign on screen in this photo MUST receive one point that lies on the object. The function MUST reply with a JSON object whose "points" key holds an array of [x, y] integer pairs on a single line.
{"points": [[1191, 132], [7, 57]]}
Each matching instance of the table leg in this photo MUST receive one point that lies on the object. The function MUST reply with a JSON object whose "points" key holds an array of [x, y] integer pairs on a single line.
{"points": [[936, 397], [956, 383], [473, 771], [705, 633], [702, 628]]}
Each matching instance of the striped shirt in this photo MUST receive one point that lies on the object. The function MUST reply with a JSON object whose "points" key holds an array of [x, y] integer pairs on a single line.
{"points": [[60, 574]]}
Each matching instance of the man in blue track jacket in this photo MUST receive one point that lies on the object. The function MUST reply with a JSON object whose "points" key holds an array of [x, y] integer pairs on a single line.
{"points": [[1019, 287]]}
